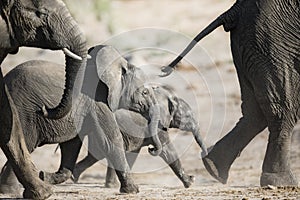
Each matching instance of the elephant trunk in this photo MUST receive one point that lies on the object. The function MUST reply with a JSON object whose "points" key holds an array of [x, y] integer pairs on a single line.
{"points": [[227, 19], [200, 142], [76, 53], [154, 114]]}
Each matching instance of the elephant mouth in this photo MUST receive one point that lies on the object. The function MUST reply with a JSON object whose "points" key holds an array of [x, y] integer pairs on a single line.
{"points": [[135, 107]]}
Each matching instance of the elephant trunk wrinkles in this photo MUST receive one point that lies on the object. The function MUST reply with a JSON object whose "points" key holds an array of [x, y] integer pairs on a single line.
{"points": [[154, 113], [76, 43], [228, 19]]}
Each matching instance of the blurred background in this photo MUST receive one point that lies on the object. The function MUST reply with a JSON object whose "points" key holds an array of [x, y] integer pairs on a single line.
{"points": [[151, 33]]}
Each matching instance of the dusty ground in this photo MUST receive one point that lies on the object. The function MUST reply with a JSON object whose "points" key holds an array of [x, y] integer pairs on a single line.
{"points": [[153, 32]]}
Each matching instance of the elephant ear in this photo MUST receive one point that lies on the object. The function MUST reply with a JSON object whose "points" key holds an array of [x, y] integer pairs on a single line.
{"points": [[167, 103], [103, 76]]}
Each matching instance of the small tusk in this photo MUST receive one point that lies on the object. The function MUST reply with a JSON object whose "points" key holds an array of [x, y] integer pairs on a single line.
{"points": [[89, 56], [71, 54], [44, 111]]}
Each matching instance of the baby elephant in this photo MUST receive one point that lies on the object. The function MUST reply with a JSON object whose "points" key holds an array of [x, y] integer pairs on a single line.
{"points": [[136, 134], [173, 112]]}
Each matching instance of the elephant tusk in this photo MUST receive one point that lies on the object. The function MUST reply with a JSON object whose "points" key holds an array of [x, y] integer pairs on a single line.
{"points": [[71, 54], [89, 56], [44, 111]]}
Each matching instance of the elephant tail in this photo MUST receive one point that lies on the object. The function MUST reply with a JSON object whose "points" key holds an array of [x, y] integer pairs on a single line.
{"points": [[228, 20]]}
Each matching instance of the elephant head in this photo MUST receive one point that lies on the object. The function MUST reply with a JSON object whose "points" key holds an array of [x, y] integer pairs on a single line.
{"points": [[143, 100], [165, 110], [109, 78], [44, 24], [151, 97]]}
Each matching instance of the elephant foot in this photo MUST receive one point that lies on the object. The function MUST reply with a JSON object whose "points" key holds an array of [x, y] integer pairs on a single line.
{"points": [[188, 180], [278, 179], [42, 192], [129, 189], [217, 170], [112, 184], [75, 176], [127, 183], [56, 178]]}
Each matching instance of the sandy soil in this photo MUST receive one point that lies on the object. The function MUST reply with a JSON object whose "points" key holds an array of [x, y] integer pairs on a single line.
{"points": [[152, 33]]}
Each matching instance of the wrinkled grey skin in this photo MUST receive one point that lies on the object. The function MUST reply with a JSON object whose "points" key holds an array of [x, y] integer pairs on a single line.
{"points": [[265, 46], [43, 24], [136, 134], [37, 82], [132, 80], [174, 113], [112, 80]]}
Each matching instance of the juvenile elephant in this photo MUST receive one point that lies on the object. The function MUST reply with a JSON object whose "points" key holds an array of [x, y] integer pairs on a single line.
{"points": [[43, 24], [135, 132], [173, 112], [35, 83], [265, 40]]}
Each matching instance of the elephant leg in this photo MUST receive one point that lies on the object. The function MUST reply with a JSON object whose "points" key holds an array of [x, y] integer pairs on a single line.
{"points": [[81, 166], [8, 181], [13, 145], [226, 150], [109, 141], [170, 156], [276, 166], [123, 176], [69, 154], [279, 101], [111, 178]]}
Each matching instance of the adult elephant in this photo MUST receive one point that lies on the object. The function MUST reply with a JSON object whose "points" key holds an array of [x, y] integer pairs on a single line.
{"points": [[265, 46], [42, 24]]}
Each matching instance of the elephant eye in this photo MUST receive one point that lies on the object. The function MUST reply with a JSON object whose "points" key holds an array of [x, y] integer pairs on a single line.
{"points": [[123, 71], [41, 12], [145, 92]]}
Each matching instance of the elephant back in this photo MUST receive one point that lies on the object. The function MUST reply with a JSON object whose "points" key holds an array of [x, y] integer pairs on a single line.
{"points": [[32, 85], [27, 83]]}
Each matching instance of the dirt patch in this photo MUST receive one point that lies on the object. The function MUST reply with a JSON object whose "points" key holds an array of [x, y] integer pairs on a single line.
{"points": [[212, 91]]}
